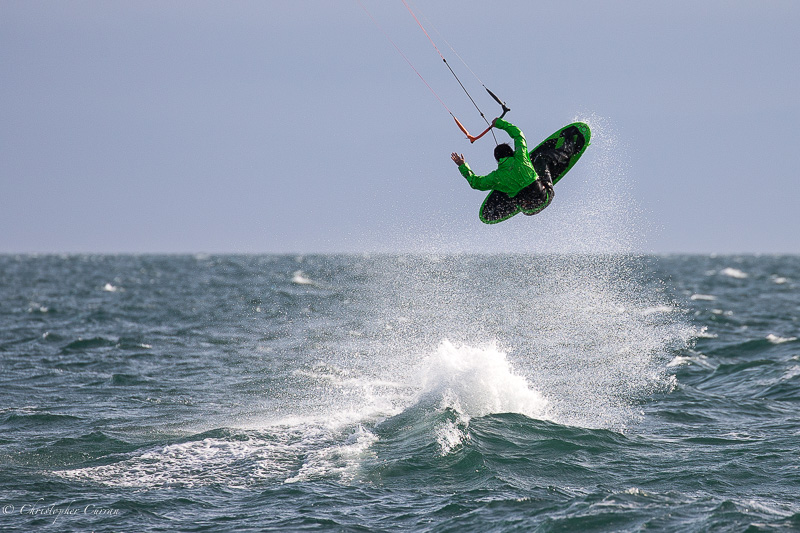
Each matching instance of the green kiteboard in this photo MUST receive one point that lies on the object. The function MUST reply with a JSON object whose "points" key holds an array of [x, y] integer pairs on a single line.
{"points": [[498, 206]]}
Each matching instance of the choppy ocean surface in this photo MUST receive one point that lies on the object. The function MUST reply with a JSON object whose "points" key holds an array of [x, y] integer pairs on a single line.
{"points": [[399, 393]]}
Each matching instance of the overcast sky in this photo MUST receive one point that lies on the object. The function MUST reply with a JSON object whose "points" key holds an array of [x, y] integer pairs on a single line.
{"points": [[295, 126]]}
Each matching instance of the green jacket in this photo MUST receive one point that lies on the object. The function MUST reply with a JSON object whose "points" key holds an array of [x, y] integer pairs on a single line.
{"points": [[513, 173]]}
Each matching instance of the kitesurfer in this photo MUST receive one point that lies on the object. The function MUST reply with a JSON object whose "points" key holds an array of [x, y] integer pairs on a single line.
{"points": [[516, 173]]}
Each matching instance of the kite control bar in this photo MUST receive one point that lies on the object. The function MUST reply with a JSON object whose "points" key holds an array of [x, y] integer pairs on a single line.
{"points": [[473, 138]]}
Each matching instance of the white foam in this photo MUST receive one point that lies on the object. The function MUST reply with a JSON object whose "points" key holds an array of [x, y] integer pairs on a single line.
{"points": [[293, 450], [779, 280], [34, 307], [703, 297], [775, 339], [696, 358], [679, 360], [336, 459], [299, 278], [451, 435], [792, 372], [110, 288], [704, 334], [733, 273], [478, 381], [635, 491], [186, 464], [767, 507]]}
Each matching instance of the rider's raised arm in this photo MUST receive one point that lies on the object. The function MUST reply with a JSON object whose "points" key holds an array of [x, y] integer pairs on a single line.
{"points": [[520, 145]]}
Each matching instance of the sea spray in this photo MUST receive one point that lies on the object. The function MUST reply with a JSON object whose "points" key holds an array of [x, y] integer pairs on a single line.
{"points": [[602, 216], [599, 340], [590, 333]]}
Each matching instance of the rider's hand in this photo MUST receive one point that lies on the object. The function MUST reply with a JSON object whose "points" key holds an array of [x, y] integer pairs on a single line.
{"points": [[457, 159]]}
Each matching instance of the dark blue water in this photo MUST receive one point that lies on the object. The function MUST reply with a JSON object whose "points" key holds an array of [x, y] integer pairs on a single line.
{"points": [[399, 393]]}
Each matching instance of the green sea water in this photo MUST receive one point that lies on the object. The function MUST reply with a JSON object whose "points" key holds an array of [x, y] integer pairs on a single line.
{"points": [[399, 393]]}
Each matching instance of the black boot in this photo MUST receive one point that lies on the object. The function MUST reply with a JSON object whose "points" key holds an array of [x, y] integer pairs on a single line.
{"points": [[570, 145], [547, 183], [546, 178]]}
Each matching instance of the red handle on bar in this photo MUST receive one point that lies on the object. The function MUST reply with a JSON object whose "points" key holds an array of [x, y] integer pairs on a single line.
{"points": [[473, 138]]}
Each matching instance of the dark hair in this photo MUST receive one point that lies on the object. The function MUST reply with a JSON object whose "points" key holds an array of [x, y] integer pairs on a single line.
{"points": [[502, 150]]}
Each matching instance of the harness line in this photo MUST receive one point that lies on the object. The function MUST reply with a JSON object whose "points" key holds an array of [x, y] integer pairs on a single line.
{"points": [[407, 60], [453, 73], [472, 138]]}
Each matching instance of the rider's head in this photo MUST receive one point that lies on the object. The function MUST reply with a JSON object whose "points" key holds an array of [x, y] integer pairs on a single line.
{"points": [[502, 150]]}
